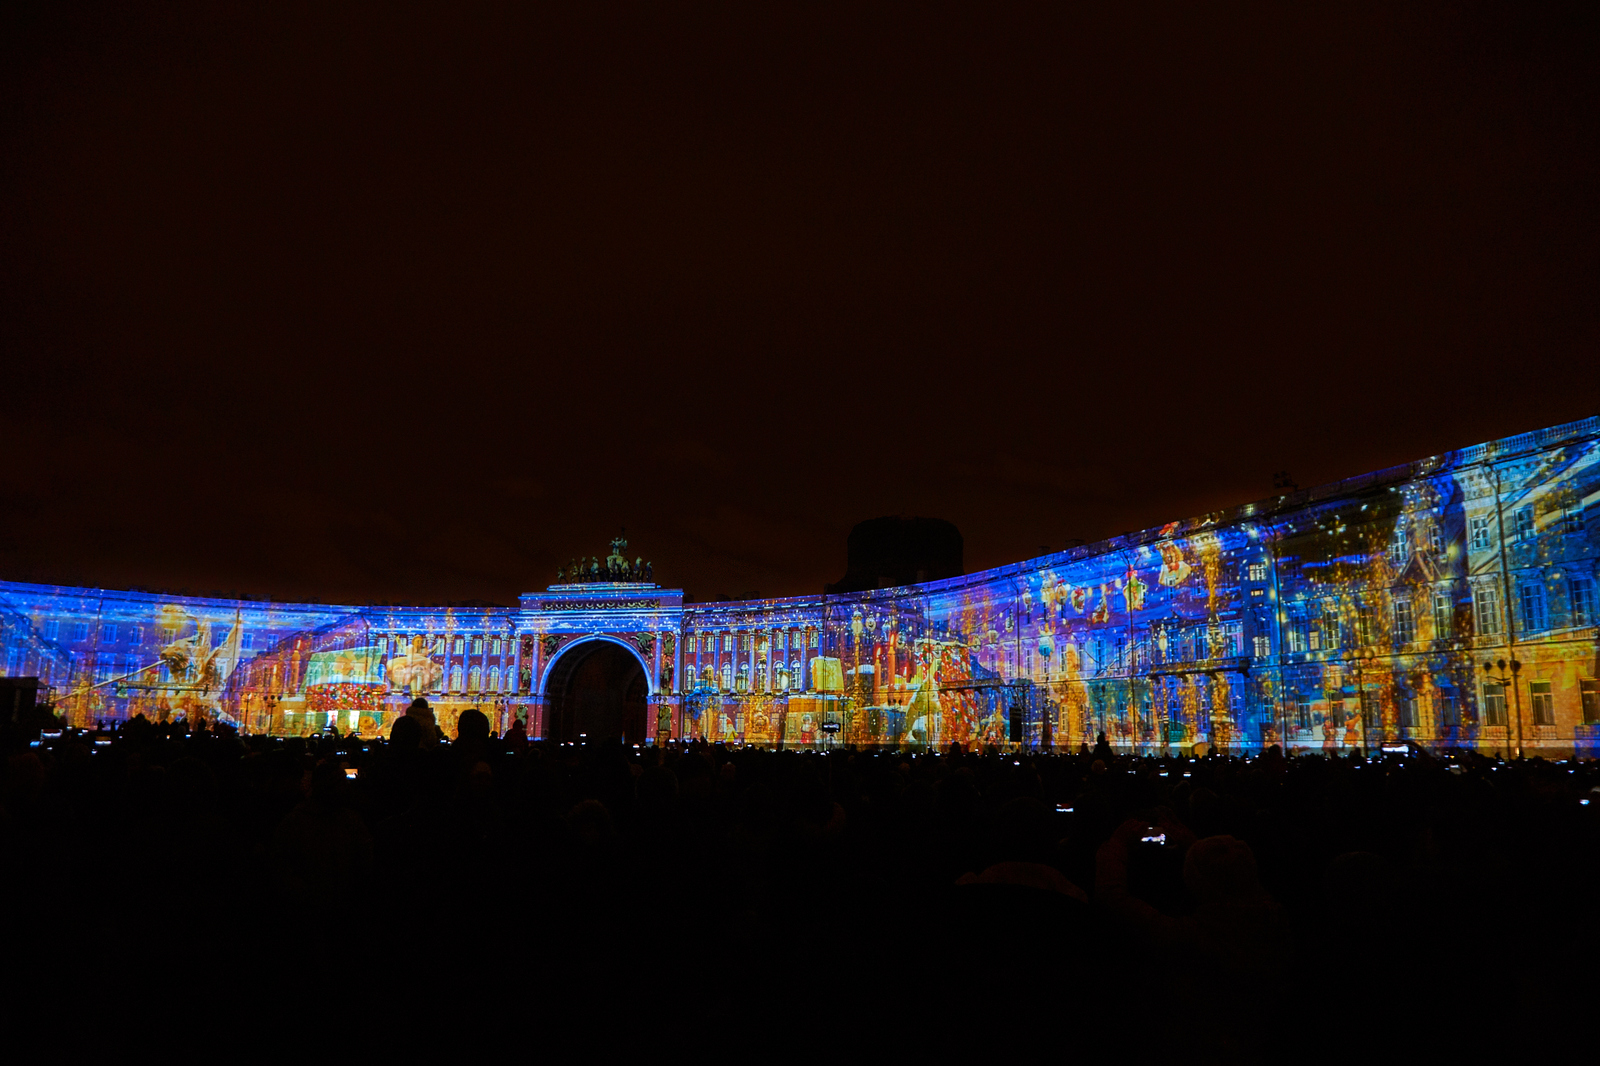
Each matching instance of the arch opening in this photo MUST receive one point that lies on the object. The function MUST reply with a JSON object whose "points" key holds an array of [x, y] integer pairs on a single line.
{"points": [[596, 690]]}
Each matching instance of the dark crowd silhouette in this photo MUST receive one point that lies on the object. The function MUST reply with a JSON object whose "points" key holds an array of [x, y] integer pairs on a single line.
{"points": [[1217, 907]]}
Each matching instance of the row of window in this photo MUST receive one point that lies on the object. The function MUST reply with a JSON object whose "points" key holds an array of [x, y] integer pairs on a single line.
{"points": [[1541, 707], [111, 632], [697, 642], [480, 680], [494, 646], [783, 677], [1327, 633], [1524, 525], [1532, 613]]}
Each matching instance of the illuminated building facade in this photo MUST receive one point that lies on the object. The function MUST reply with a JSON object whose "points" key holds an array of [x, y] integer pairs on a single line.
{"points": [[1347, 615]]}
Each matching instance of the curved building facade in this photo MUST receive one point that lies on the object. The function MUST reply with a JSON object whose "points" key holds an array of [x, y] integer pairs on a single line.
{"points": [[1450, 602]]}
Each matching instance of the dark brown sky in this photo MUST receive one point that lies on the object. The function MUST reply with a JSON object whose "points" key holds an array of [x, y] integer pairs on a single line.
{"points": [[416, 301]]}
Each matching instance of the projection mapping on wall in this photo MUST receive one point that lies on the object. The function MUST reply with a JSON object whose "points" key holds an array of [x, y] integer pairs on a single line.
{"points": [[1449, 602]]}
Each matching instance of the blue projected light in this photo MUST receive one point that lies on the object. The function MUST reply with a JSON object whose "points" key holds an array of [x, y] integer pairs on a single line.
{"points": [[1356, 615]]}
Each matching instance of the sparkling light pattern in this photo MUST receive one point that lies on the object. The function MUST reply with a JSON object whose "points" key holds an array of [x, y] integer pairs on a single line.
{"points": [[1349, 615]]}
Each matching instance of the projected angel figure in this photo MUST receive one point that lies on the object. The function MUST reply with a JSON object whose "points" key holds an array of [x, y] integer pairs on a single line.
{"points": [[193, 660], [1174, 568], [415, 671]]}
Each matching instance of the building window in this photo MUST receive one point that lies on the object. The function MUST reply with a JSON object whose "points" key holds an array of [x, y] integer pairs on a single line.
{"points": [[1572, 518], [1336, 713], [1398, 551], [1589, 695], [1257, 572], [246, 641], [1449, 711], [1404, 626], [1580, 598], [1443, 617], [459, 646], [1364, 628], [1486, 606], [1494, 703], [727, 642], [438, 645], [1436, 537], [1263, 647], [1297, 638], [477, 645], [1523, 523], [1530, 597], [1481, 535], [1302, 713], [80, 631], [1408, 712], [1544, 706], [474, 679], [494, 679], [498, 644], [108, 634]]}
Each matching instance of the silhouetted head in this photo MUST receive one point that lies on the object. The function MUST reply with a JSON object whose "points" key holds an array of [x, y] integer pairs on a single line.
{"points": [[328, 784], [1221, 869], [473, 725], [1362, 884], [591, 823], [405, 733]]}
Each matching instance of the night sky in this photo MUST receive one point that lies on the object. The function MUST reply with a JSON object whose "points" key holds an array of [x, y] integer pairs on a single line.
{"points": [[412, 303]]}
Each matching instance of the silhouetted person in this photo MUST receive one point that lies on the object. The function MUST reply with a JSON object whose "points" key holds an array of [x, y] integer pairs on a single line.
{"points": [[322, 850], [423, 713], [472, 736]]}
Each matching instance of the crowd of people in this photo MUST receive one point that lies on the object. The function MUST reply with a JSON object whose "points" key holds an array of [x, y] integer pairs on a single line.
{"points": [[1213, 902]]}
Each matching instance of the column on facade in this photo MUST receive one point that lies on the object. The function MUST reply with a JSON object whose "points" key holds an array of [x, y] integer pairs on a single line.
{"points": [[449, 654], [891, 660], [786, 631], [535, 673], [515, 687], [655, 680], [676, 692], [754, 635], [653, 728]]}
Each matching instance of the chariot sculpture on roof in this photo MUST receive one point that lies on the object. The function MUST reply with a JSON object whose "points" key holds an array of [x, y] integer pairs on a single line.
{"points": [[615, 569]]}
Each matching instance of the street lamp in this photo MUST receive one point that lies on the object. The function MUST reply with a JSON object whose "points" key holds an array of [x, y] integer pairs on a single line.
{"points": [[1359, 658], [1505, 680]]}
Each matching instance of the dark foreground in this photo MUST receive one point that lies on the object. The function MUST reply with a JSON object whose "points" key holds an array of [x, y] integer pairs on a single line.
{"points": [[1303, 907]]}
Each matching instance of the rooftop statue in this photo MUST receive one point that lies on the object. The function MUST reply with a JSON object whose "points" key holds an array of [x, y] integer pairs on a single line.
{"points": [[616, 567]]}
